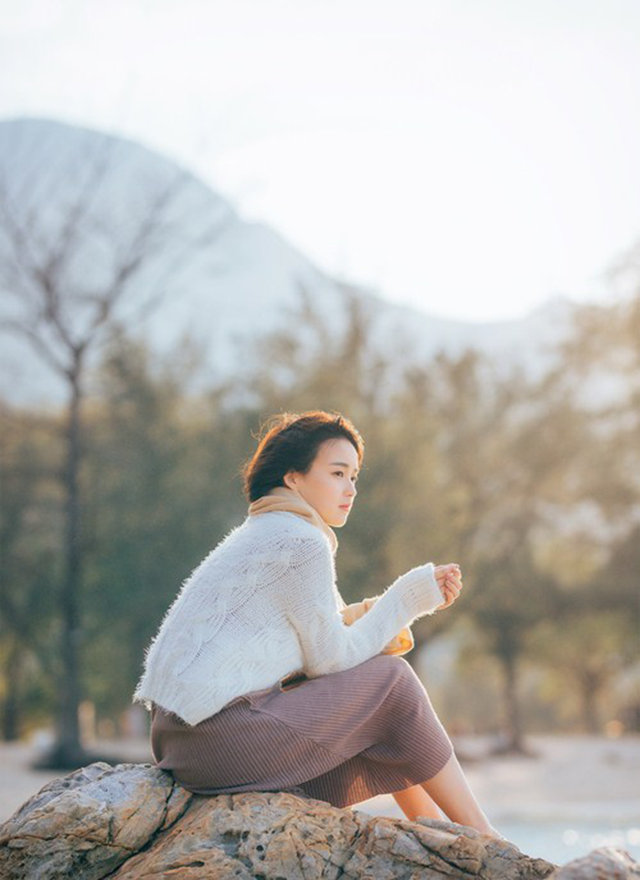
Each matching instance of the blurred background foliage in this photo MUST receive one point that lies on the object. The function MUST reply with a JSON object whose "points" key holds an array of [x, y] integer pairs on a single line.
{"points": [[532, 487]]}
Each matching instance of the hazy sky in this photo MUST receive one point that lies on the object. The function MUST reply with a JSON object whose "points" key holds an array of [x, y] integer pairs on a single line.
{"points": [[471, 157]]}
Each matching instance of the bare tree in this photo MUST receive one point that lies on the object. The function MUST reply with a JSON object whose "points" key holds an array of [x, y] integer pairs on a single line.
{"points": [[76, 259]]}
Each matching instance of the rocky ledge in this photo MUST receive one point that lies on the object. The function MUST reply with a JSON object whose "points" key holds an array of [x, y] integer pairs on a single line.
{"points": [[132, 821]]}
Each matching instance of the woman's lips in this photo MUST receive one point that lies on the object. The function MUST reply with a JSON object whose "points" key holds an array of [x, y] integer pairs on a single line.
{"points": [[345, 507]]}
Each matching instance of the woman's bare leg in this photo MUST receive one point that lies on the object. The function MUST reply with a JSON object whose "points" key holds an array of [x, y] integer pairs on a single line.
{"points": [[414, 802], [451, 792]]}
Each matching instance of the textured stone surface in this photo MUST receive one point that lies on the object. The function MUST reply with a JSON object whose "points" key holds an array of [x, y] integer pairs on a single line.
{"points": [[132, 822], [276, 835], [606, 862], [87, 823]]}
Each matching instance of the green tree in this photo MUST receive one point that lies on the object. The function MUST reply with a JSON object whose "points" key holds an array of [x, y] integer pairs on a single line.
{"points": [[68, 274], [161, 493], [30, 553], [589, 654]]}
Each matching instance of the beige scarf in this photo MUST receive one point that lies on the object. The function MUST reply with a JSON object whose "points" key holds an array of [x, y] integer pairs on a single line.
{"points": [[284, 498]]}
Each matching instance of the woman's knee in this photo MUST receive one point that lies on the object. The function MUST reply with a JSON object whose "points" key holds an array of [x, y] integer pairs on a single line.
{"points": [[394, 666]]}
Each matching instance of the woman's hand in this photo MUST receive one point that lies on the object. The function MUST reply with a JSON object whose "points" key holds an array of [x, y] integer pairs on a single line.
{"points": [[449, 580]]}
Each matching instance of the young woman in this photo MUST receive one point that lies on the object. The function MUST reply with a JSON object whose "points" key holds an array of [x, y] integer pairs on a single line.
{"points": [[254, 680]]}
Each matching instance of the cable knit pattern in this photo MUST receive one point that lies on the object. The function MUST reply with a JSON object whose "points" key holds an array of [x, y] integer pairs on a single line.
{"points": [[262, 604]]}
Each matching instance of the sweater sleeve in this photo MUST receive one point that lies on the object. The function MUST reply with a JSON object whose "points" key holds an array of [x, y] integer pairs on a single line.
{"points": [[308, 591]]}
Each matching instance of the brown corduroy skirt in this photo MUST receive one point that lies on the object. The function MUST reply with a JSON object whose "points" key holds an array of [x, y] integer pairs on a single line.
{"points": [[341, 738]]}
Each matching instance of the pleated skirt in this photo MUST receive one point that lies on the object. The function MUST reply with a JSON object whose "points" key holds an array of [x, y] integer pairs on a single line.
{"points": [[341, 738]]}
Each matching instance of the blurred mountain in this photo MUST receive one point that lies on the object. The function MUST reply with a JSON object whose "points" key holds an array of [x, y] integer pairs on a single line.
{"points": [[221, 281]]}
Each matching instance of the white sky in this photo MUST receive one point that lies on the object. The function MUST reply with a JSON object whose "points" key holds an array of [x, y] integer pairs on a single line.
{"points": [[470, 157]]}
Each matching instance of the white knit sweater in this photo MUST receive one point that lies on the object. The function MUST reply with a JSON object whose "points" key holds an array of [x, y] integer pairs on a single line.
{"points": [[262, 604]]}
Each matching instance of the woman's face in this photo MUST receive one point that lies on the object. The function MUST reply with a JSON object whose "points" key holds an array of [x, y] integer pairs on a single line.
{"points": [[329, 485]]}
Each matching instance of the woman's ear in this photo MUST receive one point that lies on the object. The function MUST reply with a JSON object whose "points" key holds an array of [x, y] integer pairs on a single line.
{"points": [[289, 480]]}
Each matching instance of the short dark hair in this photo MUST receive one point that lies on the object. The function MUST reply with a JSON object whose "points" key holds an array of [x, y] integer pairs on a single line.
{"points": [[290, 442]]}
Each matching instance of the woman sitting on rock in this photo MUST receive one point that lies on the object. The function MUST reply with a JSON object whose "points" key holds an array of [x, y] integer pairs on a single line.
{"points": [[255, 680]]}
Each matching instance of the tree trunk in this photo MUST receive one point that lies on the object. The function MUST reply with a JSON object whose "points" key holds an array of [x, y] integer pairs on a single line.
{"points": [[589, 685], [513, 743], [10, 711], [67, 751]]}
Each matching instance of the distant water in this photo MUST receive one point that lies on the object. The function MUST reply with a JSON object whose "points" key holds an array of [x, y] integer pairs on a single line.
{"points": [[560, 841]]}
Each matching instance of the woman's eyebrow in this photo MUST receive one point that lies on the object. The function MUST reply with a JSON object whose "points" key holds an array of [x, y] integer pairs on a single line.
{"points": [[342, 464]]}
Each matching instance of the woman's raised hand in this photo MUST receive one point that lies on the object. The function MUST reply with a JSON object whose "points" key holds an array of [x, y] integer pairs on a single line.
{"points": [[449, 580]]}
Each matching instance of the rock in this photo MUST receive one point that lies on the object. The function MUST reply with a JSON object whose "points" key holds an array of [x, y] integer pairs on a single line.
{"points": [[132, 822], [605, 862], [89, 822]]}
